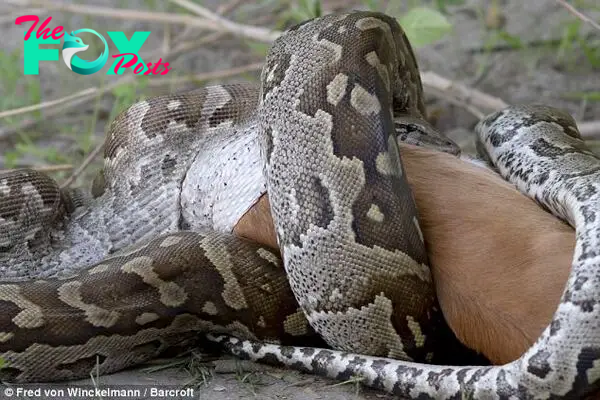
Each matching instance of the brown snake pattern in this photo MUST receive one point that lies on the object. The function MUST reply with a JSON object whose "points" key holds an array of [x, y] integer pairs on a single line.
{"points": [[139, 265]]}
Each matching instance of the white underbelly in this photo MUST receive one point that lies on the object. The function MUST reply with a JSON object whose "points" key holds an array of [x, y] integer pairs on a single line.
{"points": [[224, 181]]}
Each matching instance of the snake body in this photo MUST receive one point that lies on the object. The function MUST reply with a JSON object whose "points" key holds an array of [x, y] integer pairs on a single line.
{"points": [[147, 260], [350, 206], [539, 149]]}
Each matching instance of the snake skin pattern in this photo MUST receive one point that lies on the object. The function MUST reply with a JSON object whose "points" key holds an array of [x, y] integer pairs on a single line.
{"points": [[147, 261], [540, 150], [351, 205]]}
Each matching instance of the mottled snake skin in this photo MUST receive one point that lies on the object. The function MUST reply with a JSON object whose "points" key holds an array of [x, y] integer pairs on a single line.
{"points": [[147, 261]]}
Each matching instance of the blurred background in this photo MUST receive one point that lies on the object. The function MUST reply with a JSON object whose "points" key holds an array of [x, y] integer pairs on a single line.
{"points": [[475, 56], [499, 51]]}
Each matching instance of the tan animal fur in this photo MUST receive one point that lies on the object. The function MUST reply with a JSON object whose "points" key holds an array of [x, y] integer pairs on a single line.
{"points": [[500, 262]]}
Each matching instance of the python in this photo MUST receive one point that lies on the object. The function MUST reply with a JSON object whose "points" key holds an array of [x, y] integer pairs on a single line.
{"points": [[72, 44]]}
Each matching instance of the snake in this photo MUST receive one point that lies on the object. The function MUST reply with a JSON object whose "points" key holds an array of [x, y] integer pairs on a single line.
{"points": [[145, 260]]}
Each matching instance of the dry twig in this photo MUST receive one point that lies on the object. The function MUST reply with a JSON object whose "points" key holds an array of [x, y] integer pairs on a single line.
{"points": [[478, 103], [90, 157], [45, 168], [578, 14], [474, 101], [226, 8], [207, 76], [219, 25], [91, 93], [48, 104]]}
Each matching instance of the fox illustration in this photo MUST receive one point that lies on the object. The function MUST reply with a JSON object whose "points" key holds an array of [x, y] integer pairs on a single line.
{"points": [[71, 46]]}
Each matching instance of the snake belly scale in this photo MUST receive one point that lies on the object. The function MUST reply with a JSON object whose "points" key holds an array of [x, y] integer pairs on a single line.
{"points": [[147, 260]]}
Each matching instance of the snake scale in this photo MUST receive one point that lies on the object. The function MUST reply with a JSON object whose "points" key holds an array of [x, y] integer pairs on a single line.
{"points": [[147, 260]]}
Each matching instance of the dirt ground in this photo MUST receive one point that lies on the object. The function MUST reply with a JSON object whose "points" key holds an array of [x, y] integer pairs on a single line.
{"points": [[545, 71]]}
